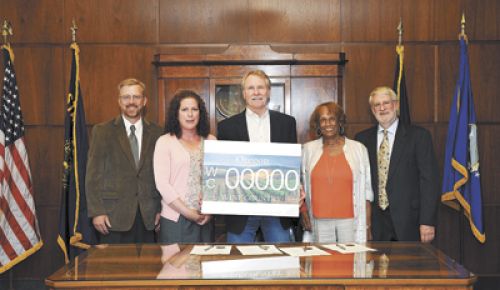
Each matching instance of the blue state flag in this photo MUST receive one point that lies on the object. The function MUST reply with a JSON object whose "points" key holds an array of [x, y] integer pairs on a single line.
{"points": [[76, 232], [461, 178]]}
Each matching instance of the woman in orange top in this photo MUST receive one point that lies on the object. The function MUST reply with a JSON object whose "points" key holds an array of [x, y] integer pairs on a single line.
{"points": [[336, 175]]}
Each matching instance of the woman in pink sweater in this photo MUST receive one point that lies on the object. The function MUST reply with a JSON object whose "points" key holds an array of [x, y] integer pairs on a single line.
{"points": [[177, 165]]}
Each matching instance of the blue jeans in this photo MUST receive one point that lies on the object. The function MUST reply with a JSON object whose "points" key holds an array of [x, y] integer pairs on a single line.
{"points": [[271, 229]]}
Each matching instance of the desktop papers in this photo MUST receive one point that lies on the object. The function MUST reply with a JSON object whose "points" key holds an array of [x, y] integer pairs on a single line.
{"points": [[282, 266], [211, 250], [304, 251], [348, 248], [259, 250]]}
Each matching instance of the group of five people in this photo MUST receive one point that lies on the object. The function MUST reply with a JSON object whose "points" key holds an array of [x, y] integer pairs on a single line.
{"points": [[382, 186]]}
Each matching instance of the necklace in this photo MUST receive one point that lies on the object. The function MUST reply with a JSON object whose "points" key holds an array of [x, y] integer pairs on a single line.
{"points": [[331, 164], [333, 148], [331, 157]]}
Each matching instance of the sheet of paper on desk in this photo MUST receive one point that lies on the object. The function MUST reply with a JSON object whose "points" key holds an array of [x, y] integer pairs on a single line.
{"points": [[348, 248], [211, 250], [258, 250], [304, 251], [266, 267]]}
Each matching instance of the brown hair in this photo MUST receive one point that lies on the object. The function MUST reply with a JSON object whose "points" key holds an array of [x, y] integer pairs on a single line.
{"points": [[172, 125]]}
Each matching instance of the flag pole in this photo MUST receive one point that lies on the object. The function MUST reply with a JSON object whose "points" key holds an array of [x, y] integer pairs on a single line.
{"points": [[6, 32], [400, 32], [400, 52], [399, 79], [64, 244], [73, 29], [462, 29], [462, 221]]}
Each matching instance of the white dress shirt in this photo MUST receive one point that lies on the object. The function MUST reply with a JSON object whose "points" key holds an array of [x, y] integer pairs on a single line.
{"points": [[138, 131], [259, 127]]}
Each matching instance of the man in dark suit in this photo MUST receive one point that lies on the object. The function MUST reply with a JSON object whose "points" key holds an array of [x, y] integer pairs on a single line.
{"points": [[258, 124], [121, 194], [404, 174]]}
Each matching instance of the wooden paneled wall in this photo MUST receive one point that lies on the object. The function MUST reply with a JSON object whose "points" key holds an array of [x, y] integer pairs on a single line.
{"points": [[118, 39]]}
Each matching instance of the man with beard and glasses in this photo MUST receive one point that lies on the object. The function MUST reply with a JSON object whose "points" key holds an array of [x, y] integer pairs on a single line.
{"points": [[122, 199], [404, 174]]}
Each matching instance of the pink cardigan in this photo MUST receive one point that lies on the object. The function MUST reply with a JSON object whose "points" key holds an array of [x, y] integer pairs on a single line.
{"points": [[171, 170]]}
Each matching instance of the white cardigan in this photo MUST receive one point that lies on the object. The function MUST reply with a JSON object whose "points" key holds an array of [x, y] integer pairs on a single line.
{"points": [[357, 157]]}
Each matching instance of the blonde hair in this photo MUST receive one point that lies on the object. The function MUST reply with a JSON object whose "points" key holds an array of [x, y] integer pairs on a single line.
{"points": [[382, 91], [258, 73], [131, 82]]}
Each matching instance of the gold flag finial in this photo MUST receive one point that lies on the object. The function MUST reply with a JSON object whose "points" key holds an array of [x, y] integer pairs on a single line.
{"points": [[400, 31], [6, 31], [73, 29], [462, 28]]}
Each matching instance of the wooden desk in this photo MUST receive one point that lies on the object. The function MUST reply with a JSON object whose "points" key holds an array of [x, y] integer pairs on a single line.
{"points": [[392, 266]]}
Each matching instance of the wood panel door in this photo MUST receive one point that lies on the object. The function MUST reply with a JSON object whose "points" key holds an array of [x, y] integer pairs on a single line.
{"points": [[299, 81]]}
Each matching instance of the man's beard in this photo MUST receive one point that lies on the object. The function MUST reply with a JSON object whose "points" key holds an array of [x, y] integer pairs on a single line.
{"points": [[138, 111]]}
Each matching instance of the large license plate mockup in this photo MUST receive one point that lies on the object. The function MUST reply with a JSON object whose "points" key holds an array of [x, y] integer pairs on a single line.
{"points": [[243, 178]]}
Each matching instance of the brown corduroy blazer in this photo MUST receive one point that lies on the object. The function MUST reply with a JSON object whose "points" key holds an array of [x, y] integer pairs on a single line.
{"points": [[114, 185]]}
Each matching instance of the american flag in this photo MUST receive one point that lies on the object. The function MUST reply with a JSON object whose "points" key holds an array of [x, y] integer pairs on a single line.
{"points": [[19, 233]]}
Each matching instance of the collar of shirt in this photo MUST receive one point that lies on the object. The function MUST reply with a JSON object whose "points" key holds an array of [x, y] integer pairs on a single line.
{"points": [[391, 130], [138, 130], [391, 134], [138, 126], [259, 127]]}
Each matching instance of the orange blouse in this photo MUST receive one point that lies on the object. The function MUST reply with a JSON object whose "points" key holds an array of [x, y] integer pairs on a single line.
{"points": [[331, 188]]}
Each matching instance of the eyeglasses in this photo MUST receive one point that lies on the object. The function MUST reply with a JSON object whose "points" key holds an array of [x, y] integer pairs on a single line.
{"points": [[384, 104], [130, 97]]}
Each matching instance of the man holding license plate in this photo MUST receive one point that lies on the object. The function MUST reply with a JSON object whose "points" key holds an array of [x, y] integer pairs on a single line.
{"points": [[257, 124]]}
